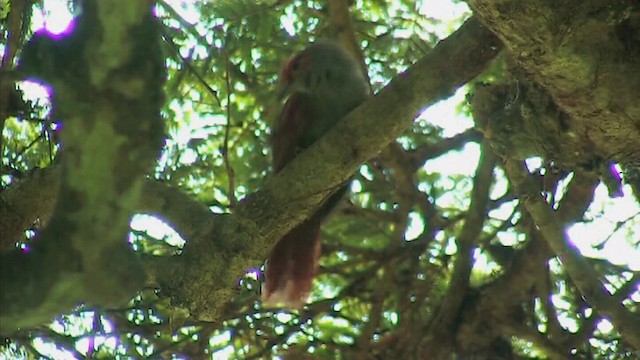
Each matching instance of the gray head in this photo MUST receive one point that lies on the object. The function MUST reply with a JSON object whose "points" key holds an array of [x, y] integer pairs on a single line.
{"points": [[327, 73]]}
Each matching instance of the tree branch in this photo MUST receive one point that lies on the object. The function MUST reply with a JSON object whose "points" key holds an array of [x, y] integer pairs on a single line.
{"points": [[107, 89], [584, 276], [205, 278], [585, 55]]}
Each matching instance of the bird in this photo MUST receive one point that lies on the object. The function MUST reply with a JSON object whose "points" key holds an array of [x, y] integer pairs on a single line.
{"points": [[321, 84]]}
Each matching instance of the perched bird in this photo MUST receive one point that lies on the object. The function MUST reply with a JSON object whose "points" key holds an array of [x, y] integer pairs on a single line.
{"points": [[322, 84]]}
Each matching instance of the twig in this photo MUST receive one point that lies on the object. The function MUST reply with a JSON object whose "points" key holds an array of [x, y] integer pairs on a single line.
{"points": [[225, 146]]}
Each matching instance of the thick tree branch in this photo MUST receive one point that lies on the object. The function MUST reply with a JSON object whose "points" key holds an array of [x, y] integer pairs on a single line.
{"points": [[205, 278], [333, 159], [585, 55], [107, 89], [33, 199]]}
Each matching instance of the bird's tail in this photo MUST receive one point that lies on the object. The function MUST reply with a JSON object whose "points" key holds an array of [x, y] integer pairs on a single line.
{"points": [[292, 265]]}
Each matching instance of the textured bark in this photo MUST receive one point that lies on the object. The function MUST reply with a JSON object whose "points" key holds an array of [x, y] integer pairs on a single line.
{"points": [[107, 89], [586, 55]]}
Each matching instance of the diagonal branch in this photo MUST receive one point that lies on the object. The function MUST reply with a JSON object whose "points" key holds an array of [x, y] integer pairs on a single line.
{"points": [[583, 275], [204, 279]]}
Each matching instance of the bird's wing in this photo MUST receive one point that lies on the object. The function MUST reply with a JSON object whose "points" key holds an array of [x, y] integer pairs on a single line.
{"points": [[295, 119]]}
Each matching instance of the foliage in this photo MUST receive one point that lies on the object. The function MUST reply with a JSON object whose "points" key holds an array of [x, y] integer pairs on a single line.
{"points": [[390, 253]]}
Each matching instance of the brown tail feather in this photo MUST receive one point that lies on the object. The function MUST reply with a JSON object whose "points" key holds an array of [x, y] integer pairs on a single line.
{"points": [[292, 264]]}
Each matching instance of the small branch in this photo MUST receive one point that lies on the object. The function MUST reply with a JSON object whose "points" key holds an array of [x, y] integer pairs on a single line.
{"points": [[194, 71], [225, 146], [467, 239]]}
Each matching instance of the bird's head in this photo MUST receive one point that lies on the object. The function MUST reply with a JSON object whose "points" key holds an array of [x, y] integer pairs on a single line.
{"points": [[322, 69]]}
